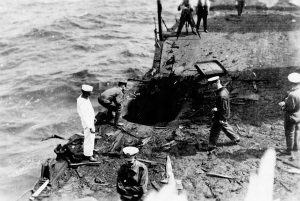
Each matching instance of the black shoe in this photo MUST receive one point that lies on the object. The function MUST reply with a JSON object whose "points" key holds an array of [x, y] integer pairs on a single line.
{"points": [[205, 31], [235, 142], [211, 147], [92, 159]]}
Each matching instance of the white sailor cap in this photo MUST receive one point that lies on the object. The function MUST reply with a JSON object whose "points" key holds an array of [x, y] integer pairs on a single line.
{"points": [[294, 77], [130, 151], [87, 88], [213, 79]]}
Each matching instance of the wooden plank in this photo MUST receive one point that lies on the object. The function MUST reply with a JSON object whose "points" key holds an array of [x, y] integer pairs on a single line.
{"points": [[39, 190], [219, 175], [155, 185], [288, 163], [85, 163], [150, 162]]}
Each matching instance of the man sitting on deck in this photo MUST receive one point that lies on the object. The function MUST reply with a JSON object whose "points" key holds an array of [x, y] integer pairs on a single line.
{"points": [[186, 16]]}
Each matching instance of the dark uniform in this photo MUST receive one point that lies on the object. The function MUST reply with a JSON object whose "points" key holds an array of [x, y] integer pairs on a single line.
{"points": [[292, 119], [112, 99], [220, 118], [240, 6], [186, 16], [132, 181], [202, 12]]}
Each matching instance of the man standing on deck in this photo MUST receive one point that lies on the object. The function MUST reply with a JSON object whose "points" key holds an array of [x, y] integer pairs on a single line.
{"points": [[240, 4], [87, 116], [132, 177], [221, 114], [186, 16], [202, 12], [291, 106], [112, 100]]}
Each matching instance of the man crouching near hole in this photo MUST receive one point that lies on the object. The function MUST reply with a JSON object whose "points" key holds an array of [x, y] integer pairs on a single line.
{"points": [[132, 177], [112, 100], [221, 113]]}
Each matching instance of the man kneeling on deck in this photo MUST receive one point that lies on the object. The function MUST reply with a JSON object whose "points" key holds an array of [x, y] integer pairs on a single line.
{"points": [[112, 100], [221, 113], [132, 177]]}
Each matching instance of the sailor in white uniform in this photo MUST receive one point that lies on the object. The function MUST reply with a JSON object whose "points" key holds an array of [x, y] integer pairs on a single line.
{"points": [[87, 116]]}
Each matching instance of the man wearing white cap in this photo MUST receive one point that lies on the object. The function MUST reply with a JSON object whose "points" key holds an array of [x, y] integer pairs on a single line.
{"points": [[291, 106], [112, 100], [87, 116], [132, 177], [221, 114]]}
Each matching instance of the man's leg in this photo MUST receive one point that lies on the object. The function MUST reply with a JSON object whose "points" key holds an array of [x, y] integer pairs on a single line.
{"points": [[296, 137], [118, 114], [198, 21], [110, 108], [214, 133], [88, 144], [289, 128], [181, 24], [205, 22], [229, 132]]}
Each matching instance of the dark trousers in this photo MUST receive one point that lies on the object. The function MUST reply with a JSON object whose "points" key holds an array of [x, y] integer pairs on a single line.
{"points": [[292, 134], [240, 7], [111, 107], [186, 16], [216, 128], [199, 17]]}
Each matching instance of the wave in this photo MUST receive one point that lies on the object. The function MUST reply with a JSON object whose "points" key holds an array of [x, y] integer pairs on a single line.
{"points": [[8, 51], [85, 22], [127, 53], [43, 33]]}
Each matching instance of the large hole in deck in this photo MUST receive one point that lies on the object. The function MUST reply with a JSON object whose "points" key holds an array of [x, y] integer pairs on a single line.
{"points": [[158, 101]]}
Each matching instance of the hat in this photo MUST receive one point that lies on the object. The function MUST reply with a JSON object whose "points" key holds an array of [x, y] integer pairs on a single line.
{"points": [[122, 83], [294, 77], [130, 151], [87, 88], [213, 79]]}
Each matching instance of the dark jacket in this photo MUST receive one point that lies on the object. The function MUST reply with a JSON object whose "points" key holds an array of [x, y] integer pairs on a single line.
{"points": [[202, 8], [132, 181], [292, 105], [222, 104], [114, 95]]}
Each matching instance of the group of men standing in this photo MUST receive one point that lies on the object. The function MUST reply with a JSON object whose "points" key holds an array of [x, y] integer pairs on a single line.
{"points": [[132, 177], [111, 99], [202, 10]]}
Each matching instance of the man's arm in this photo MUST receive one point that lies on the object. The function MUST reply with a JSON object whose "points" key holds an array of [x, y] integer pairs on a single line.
{"points": [[290, 103], [120, 187], [142, 187]]}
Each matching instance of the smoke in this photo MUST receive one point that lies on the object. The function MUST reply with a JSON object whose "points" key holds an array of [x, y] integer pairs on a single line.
{"points": [[269, 3], [167, 193], [296, 2]]}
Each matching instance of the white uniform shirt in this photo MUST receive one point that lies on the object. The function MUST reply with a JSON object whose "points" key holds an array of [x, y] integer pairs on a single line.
{"points": [[86, 112]]}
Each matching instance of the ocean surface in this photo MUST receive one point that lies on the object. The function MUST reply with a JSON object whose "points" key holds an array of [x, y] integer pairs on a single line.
{"points": [[48, 48]]}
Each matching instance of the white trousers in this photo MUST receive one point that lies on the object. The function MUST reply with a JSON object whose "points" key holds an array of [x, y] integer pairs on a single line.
{"points": [[88, 143]]}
